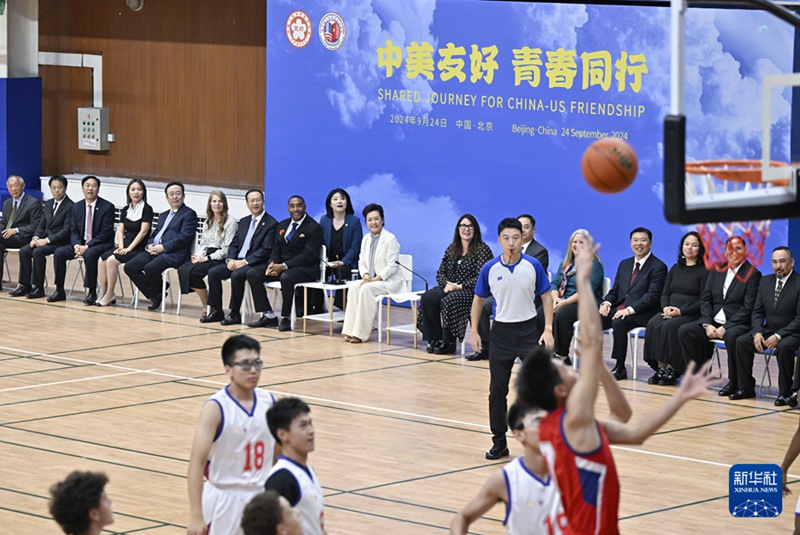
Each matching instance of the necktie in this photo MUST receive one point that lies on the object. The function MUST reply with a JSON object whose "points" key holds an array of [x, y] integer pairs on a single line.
{"points": [[778, 290], [163, 228], [630, 283], [291, 231], [55, 207], [87, 234], [13, 214], [247, 239]]}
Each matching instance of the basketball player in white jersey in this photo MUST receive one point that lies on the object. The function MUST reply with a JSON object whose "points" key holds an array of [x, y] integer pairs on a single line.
{"points": [[533, 505], [290, 423], [232, 437]]}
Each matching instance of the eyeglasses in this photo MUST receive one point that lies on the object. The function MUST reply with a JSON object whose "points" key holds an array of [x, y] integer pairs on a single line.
{"points": [[466, 227], [247, 365]]}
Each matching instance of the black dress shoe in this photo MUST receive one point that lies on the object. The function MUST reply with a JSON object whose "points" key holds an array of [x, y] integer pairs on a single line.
{"points": [[497, 452], [747, 393], [477, 356], [264, 321], [669, 378], [431, 345], [620, 373], [232, 319], [215, 317], [19, 291], [444, 349], [656, 376], [727, 390], [792, 400], [36, 294], [154, 305], [780, 401], [58, 295], [286, 325], [90, 299]]}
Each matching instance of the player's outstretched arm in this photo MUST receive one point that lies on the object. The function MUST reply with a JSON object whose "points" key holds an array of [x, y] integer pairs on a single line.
{"points": [[493, 491], [207, 425], [618, 405], [693, 385], [579, 421], [791, 455]]}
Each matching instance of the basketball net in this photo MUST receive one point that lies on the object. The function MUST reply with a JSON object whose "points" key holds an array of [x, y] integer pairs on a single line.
{"points": [[712, 177]]}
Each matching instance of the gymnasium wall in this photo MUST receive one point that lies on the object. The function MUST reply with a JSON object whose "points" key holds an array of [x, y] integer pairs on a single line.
{"points": [[184, 82], [434, 108]]}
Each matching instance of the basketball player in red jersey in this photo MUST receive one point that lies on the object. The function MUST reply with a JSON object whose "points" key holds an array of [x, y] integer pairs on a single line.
{"points": [[575, 444]]}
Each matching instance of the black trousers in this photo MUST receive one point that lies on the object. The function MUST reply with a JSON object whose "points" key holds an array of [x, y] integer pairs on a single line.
{"points": [[696, 346], [563, 320], [238, 277], [621, 326], [32, 263], [509, 341], [90, 258], [431, 316], [145, 271], [745, 354], [486, 313], [14, 242], [288, 279]]}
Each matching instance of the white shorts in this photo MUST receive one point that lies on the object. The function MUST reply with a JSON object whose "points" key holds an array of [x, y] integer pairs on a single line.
{"points": [[223, 508], [797, 507]]}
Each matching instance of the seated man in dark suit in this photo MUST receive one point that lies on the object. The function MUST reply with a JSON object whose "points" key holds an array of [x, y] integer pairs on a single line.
{"points": [[295, 258], [52, 232], [250, 249], [21, 216], [775, 325], [726, 307], [530, 247], [635, 296], [91, 234], [170, 246]]}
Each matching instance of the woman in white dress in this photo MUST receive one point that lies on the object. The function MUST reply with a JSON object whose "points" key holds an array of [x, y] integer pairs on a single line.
{"points": [[379, 272]]}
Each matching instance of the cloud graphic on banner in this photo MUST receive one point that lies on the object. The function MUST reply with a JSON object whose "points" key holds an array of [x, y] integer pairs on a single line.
{"points": [[422, 225], [354, 69], [554, 25]]}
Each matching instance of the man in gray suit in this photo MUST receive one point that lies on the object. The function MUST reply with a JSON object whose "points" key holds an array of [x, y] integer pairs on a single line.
{"points": [[21, 215], [52, 232]]}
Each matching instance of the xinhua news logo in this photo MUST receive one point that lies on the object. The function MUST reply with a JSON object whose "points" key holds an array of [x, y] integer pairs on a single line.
{"points": [[755, 490]]}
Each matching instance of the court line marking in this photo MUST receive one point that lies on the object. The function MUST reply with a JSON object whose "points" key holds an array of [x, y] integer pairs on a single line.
{"points": [[342, 403], [72, 381]]}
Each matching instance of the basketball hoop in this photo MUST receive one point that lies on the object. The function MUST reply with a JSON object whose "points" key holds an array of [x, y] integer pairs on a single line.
{"points": [[717, 179]]}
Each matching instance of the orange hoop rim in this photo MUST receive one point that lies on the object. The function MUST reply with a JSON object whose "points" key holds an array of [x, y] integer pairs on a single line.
{"points": [[734, 170]]}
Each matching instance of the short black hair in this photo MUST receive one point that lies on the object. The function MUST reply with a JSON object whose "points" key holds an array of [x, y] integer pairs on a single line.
{"points": [[283, 412], [537, 378], [516, 413], [509, 222], [734, 237], [72, 499], [783, 248], [641, 229], [529, 217], [174, 183], [58, 178], [89, 177], [262, 514], [234, 344], [372, 207], [246, 195], [348, 210], [296, 197]]}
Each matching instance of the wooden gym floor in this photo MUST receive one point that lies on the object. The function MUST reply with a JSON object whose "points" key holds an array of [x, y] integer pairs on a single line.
{"points": [[400, 433]]}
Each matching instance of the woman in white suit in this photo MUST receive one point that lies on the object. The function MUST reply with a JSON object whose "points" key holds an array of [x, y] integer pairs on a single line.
{"points": [[380, 274]]}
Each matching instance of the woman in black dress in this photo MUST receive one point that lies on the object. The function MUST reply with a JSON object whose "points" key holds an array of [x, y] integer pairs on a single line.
{"points": [[445, 308], [680, 302], [135, 220]]}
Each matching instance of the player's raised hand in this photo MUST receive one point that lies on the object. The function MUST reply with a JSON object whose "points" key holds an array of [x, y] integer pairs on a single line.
{"points": [[585, 258], [696, 383]]}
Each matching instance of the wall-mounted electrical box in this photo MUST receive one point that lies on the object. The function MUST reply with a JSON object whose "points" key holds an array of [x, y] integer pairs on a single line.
{"points": [[93, 128]]}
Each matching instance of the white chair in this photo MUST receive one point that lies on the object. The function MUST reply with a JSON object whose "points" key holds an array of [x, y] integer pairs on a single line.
{"points": [[330, 317], [404, 296], [606, 288], [5, 261], [276, 287], [165, 276]]}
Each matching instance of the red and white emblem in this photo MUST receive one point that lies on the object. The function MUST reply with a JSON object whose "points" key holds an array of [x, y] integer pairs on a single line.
{"points": [[298, 29], [332, 31]]}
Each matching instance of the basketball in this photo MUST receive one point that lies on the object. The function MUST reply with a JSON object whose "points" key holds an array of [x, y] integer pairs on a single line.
{"points": [[609, 165]]}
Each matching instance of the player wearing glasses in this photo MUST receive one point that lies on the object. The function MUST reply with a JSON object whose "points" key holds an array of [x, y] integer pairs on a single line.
{"points": [[233, 440]]}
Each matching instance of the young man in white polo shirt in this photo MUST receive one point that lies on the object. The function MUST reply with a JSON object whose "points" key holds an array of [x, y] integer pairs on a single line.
{"points": [[514, 279]]}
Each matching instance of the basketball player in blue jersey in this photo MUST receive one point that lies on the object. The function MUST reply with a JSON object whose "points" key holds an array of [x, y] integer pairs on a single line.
{"points": [[233, 439], [514, 279], [290, 423], [533, 504]]}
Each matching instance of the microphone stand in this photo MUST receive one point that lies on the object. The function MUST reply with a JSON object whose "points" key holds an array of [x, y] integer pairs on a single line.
{"points": [[413, 273]]}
